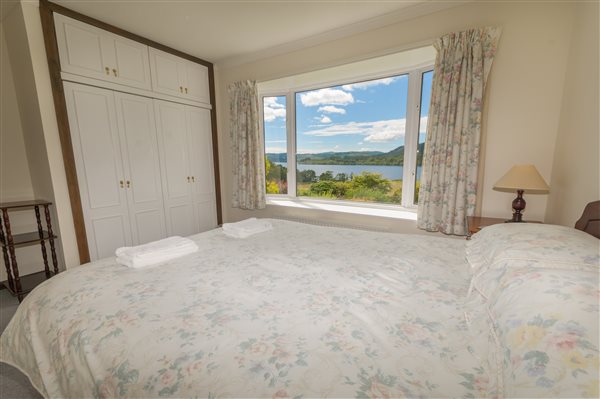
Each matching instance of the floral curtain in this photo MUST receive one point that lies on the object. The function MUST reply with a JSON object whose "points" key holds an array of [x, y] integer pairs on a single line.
{"points": [[247, 147], [448, 191]]}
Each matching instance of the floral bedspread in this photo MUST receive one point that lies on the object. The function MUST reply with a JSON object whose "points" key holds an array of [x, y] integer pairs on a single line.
{"points": [[300, 311]]}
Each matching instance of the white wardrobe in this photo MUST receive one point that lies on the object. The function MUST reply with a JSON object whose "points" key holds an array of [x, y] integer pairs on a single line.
{"points": [[143, 151]]}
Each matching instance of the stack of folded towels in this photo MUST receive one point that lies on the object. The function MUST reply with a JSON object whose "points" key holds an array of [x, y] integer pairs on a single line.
{"points": [[246, 228], [155, 252]]}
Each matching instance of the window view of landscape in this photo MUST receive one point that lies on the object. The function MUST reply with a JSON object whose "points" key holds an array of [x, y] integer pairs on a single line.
{"points": [[349, 140], [274, 119]]}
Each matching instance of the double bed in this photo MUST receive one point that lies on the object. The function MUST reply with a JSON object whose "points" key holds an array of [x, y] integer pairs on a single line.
{"points": [[311, 311]]}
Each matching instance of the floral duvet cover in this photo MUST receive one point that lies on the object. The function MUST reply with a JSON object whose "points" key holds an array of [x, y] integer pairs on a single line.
{"points": [[299, 311]]}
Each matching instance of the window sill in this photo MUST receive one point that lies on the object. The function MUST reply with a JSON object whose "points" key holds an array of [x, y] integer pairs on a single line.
{"points": [[359, 208]]}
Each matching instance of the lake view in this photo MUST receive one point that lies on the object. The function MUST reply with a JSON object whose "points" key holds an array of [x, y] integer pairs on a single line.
{"points": [[389, 172]]}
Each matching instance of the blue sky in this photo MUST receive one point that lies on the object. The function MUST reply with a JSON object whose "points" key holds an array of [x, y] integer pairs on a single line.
{"points": [[365, 116]]}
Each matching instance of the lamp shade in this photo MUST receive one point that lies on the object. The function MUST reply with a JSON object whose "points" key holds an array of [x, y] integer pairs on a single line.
{"points": [[522, 177]]}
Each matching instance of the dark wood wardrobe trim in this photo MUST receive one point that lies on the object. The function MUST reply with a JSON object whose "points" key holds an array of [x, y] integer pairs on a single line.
{"points": [[62, 119], [215, 138], [51, 44]]}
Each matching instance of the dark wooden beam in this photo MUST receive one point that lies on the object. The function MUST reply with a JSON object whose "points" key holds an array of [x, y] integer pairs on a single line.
{"points": [[64, 132]]}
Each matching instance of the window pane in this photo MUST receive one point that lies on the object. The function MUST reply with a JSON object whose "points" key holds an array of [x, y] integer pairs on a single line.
{"points": [[425, 99], [350, 140], [274, 124]]}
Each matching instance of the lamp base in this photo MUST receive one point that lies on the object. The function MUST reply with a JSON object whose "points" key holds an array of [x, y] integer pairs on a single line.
{"points": [[518, 206]]}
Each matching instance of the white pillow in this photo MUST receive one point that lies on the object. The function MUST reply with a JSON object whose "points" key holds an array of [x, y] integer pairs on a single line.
{"points": [[533, 245]]}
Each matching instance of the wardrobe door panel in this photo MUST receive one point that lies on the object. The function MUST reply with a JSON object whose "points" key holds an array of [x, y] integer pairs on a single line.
{"points": [[139, 148], [96, 147], [175, 170], [201, 167], [183, 221], [166, 73], [109, 233], [83, 49], [196, 83], [132, 63]]}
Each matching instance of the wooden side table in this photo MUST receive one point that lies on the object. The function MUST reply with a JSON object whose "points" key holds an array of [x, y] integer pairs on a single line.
{"points": [[19, 286], [476, 223]]}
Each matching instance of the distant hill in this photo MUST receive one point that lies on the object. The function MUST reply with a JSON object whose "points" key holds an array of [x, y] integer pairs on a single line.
{"points": [[393, 157]]}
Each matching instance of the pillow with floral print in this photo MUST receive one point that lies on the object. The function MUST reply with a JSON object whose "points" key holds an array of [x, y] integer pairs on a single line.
{"points": [[533, 245], [546, 325]]}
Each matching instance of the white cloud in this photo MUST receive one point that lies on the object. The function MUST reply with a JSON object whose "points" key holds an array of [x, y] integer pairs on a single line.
{"points": [[326, 96], [325, 119], [377, 131], [272, 102], [369, 83], [275, 150], [332, 109], [272, 109]]}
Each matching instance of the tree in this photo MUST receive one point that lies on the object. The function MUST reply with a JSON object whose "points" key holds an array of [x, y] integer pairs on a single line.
{"points": [[307, 176], [328, 175], [322, 187], [341, 177], [373, 181]]}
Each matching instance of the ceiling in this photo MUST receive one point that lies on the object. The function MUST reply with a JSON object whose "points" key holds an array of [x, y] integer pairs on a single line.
{"points": [[228, 31]]}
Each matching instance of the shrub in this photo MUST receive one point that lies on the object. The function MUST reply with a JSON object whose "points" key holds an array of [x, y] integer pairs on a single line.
{"points": [[373, 181], [322, 187], [272, 187]]}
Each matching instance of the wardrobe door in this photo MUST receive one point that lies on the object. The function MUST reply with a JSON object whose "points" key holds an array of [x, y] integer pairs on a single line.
{"points": [[131, 64], [201, 167], [168, 73], [83, 49], [175, 172], [196, 82], [95, 139], [139, 147]]}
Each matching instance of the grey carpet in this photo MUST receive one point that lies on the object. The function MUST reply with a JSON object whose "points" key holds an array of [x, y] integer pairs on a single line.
{"points": [[13, 383]]}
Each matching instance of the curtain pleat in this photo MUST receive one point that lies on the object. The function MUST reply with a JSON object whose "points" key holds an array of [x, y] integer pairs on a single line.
{"points": [[448, 190], [248, 159]]}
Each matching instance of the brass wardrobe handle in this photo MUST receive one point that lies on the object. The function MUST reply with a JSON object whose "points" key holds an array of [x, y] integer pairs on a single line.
{"points": [[115, 72], [128, 184], [193, 179], [107, 69], [181, 89], [186, 90], [188, 178], [121, 183]]}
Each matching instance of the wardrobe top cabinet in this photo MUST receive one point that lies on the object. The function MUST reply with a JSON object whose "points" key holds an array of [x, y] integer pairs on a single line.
{"points": [[179, 77], [91, 52]]}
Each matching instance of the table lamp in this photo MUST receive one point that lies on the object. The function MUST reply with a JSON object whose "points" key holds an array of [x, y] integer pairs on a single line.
{"points": [[521, 178]]}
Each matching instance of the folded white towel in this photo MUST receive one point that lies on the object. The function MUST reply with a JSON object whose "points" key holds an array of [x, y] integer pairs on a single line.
{"points": [[246, 228], [155, 252]]}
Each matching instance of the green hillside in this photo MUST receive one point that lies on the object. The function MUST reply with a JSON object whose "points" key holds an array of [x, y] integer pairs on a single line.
{"points": [[393, 157]]}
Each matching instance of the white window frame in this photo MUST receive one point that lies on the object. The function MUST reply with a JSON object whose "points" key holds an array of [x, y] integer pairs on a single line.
{"points": [[411, 137]]}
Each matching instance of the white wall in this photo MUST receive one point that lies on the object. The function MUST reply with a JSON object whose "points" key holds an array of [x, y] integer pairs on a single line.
{"points": [[523, 101], [63, 216], [30, 76], [15, 180], [576, 170]]}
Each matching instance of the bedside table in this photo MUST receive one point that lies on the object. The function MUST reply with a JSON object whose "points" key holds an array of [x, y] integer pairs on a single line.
{"points": [[476, 223]]}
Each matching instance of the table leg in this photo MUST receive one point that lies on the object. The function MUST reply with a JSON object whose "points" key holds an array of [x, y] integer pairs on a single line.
{"points": [[51, 239], [6, 259], [42, 243], [13, 256]]}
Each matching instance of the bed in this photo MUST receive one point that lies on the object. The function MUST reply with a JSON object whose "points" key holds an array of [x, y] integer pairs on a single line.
{"points": [[311, 311]]}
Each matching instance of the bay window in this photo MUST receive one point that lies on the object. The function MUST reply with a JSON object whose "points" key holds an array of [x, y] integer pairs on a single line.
{"points": [[353, 141]]}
